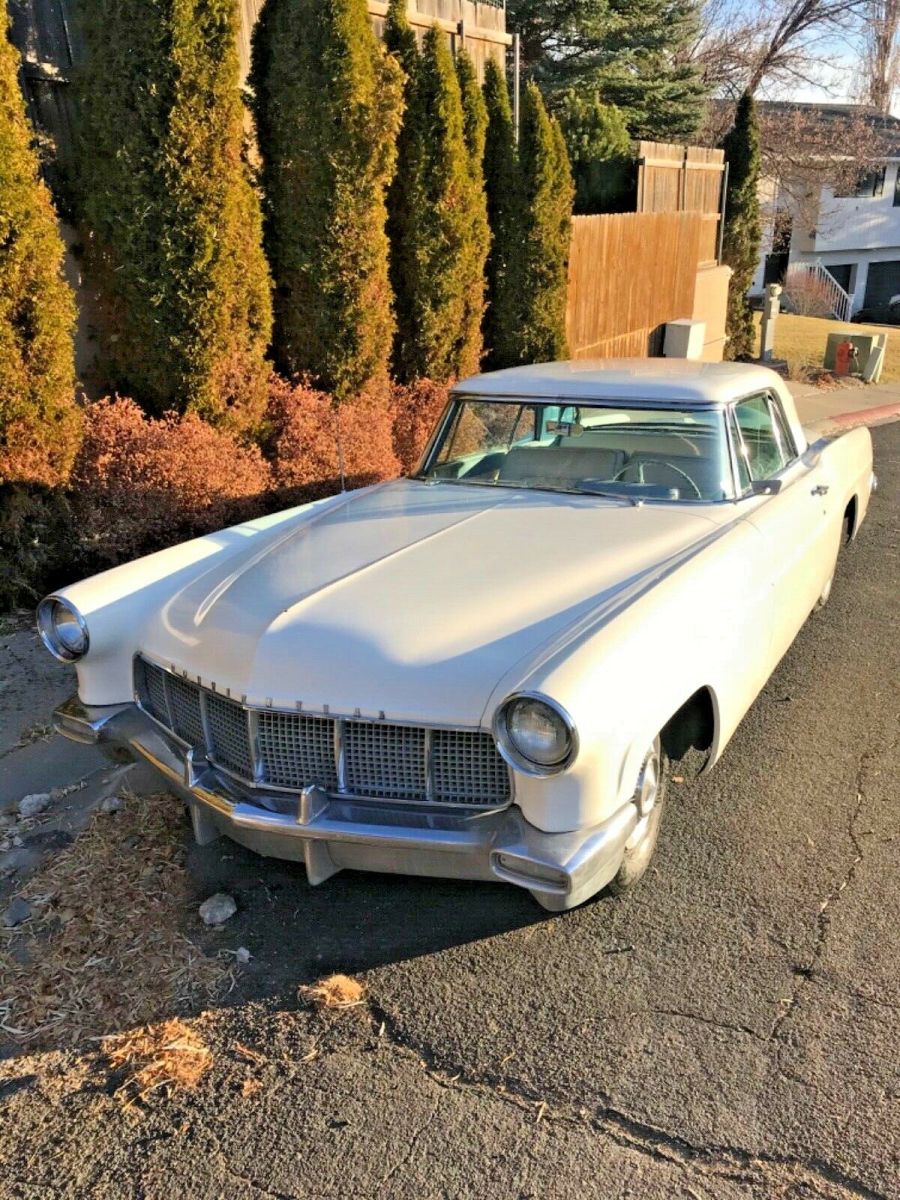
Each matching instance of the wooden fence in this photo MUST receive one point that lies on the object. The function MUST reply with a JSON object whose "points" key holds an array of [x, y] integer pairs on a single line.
{"points": [[630, 273], [46, 35], [479, 27], [683, 179]]}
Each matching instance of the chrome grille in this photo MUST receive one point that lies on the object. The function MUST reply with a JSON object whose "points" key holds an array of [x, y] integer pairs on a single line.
{"points": [[296, 751], [151, 687], [466, 768], [184, 707], [386, 761], [229, 732], [366, 759]]}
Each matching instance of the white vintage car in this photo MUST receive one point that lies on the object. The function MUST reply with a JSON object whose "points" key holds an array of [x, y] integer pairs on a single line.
{"points": [[483, 671]]}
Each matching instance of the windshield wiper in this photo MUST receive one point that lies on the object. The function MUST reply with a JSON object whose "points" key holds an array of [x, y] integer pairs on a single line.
{"points": [[634, 501]]}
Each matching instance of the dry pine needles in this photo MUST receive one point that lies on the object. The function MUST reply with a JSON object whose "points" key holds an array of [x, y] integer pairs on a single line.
{"points": [[105, 950], [155, 1058]]}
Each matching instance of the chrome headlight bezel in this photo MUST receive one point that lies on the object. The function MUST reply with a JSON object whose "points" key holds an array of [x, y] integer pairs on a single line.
{"points": [[510, 751], [48, 628]]}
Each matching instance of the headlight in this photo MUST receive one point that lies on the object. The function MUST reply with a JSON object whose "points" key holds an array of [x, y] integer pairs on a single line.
{"points": [[535, 735], [62, 629]]}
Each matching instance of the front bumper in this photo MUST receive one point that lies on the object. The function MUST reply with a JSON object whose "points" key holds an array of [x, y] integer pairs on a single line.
{"points": [[328, 832]]}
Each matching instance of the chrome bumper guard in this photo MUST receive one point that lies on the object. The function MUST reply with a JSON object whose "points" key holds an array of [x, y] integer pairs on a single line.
{"points": [[328, 833]]}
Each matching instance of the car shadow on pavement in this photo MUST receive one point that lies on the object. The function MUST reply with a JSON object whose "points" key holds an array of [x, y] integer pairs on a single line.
{"points": [[353, 922]]}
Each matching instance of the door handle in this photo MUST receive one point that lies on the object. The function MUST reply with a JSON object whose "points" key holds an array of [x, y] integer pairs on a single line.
{"points": [[821, 489]]}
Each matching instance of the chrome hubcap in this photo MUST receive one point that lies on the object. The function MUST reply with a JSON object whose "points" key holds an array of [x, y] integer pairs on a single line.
{"points": [[645, 795]]}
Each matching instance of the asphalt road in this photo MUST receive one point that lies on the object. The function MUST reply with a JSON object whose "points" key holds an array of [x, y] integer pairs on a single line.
{"points": [[730, 1029]]}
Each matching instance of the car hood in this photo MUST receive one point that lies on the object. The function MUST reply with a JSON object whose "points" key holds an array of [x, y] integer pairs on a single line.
{"points": [[410, 599]]}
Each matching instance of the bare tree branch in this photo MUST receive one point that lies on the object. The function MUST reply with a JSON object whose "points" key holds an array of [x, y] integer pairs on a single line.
{"points": [[738, 49], [882, 60]]}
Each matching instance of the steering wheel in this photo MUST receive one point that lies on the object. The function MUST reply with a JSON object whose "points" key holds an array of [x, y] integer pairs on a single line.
{"points": [[659, 462]]}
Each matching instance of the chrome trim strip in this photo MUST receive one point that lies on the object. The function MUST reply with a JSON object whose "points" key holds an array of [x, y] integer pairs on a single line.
{"points": [[429, 766], [672, 402], [204, 721], [168, 699], [256, 763], [340, 759]]}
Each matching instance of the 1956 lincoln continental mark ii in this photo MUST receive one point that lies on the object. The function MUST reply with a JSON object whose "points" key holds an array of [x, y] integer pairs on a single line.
{"points": [[483, 671]]}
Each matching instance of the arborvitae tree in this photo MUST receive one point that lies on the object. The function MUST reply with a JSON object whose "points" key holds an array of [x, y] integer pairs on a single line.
{"points": [[433, 259], [174, 222], [328, 108], [401, 42], [504, 205], [600, 153], [741, 235], [633, 52], [475, 129], [39, 421], [547, 193]]}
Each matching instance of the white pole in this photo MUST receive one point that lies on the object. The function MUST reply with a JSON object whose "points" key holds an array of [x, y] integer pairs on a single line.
{"points": [[517, 74]]}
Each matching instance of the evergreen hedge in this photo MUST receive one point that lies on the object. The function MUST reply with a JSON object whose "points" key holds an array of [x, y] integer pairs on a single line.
{"points": [[328, 109], [175, 233], [505, 218], [475, 132], [401, 43], [599, 149], [39, 420], [436, 244], [547, 193], [741, 234]]}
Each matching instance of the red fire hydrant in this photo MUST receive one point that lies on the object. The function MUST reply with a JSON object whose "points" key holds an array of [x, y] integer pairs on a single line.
{"points": [[844, 357]]}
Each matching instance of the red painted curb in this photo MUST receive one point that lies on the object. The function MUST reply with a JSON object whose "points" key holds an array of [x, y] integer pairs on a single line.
{"points": [[868, 416]]}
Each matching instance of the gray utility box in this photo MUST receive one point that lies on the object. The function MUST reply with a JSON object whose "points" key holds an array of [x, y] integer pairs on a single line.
{"points": [[870, 349]]}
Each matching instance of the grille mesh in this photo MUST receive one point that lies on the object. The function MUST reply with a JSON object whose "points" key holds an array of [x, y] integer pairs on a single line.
{"points": [[384, 760], [467, 769], [184, 705], [152, 690], [297, 751], [294, 750], [230, 734]]}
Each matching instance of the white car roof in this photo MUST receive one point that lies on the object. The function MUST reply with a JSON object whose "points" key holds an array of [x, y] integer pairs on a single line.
{"points": [[625, 379]]}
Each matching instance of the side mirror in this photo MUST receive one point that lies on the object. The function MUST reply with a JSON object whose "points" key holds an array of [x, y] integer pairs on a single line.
{"points": [[765, 487]]}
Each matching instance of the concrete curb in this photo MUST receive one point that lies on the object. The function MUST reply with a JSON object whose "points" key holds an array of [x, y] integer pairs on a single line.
{"points": [[867, 416]]}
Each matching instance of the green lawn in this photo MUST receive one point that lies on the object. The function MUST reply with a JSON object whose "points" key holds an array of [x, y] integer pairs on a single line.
{"points": [[801, 340]]}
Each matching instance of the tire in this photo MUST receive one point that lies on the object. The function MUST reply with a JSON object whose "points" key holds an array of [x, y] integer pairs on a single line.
{"points": [[654, 774], [825, 594]]}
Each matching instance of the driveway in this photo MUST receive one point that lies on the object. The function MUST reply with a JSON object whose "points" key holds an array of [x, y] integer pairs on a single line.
{"points": [[730, 1029]]}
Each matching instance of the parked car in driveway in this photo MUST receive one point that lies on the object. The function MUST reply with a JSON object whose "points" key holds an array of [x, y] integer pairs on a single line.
{"points": [[879, 314], [483, 671]]}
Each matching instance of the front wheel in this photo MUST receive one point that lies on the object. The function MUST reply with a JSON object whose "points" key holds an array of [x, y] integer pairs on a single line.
{"points": [[649, 798]]}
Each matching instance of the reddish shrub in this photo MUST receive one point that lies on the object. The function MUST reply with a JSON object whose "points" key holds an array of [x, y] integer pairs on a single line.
{"points": [[141, 483], [416, 408], [310, 438]]}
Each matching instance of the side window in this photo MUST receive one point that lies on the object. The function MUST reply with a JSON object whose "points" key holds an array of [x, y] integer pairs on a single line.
{"points": [[760, 443], [781, 426]]}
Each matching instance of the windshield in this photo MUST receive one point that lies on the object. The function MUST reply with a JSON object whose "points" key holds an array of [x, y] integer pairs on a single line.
{"points": [[602, 448]]}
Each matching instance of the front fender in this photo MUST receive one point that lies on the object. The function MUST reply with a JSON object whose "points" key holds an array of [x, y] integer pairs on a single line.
{"points": [[704, 625]]}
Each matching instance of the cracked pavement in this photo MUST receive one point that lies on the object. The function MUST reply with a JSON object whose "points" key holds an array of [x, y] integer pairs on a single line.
{"points": [[729, 1029]]}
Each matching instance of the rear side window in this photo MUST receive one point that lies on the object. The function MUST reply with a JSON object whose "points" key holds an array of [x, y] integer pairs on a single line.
{"points": [[762, 441]]}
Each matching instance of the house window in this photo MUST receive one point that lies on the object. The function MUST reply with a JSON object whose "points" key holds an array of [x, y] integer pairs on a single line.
{"points": [[897, 189], [869, 183]]}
